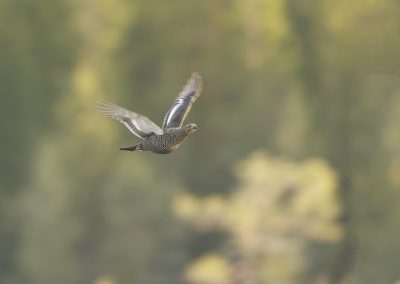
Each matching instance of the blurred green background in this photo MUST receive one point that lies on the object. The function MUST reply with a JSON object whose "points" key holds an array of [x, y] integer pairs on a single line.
{"points": [[293, 177]]}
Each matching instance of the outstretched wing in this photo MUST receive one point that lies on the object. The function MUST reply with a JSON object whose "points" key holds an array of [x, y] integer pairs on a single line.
{"points": [[138, 124], [183, 103]]}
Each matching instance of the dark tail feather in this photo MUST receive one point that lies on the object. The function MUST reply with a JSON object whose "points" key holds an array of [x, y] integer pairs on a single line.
{"points": [[131, 149]]}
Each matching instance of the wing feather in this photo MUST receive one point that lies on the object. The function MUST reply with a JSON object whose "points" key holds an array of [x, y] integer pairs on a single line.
{"points": [[138, 124], [183, 102]]}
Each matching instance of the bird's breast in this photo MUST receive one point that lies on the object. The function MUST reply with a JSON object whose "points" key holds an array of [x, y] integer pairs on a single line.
{"points": [[166, 143]]}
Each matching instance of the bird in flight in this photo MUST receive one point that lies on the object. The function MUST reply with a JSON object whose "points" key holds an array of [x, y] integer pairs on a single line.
{"points": [[169, 137]]}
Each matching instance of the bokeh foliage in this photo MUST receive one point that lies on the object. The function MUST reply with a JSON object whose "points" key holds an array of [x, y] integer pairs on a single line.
{"points": [[313, 83], [279, 211]]}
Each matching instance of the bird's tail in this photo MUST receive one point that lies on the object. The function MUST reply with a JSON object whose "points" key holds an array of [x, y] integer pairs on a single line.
{"points": [[132, 148]]}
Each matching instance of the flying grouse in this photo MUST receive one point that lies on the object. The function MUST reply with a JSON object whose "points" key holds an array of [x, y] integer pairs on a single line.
{"points": [[153, 138]]}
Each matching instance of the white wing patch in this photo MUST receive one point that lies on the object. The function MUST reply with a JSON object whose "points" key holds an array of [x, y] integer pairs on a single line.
{"points": [[174, 109], [183, 102]]}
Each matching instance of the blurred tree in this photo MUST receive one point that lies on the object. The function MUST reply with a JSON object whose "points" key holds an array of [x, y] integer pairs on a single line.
{"points": [[92, 220], [37, 56], [279, 211], [36, 53], [51, 229], [340, 66]]}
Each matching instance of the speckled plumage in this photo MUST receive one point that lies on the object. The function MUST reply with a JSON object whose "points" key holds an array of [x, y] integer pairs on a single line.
{"points": [[153, 138]]}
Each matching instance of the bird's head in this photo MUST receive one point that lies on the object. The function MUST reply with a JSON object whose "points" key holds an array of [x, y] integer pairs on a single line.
{"points": [[190, 128]]}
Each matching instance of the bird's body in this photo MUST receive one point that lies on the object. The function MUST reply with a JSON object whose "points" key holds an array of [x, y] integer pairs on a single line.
{"points": [[166, 143], [153, 138]]}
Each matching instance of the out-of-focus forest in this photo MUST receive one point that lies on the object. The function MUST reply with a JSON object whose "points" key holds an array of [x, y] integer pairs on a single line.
{"points": [[293, 176]]}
